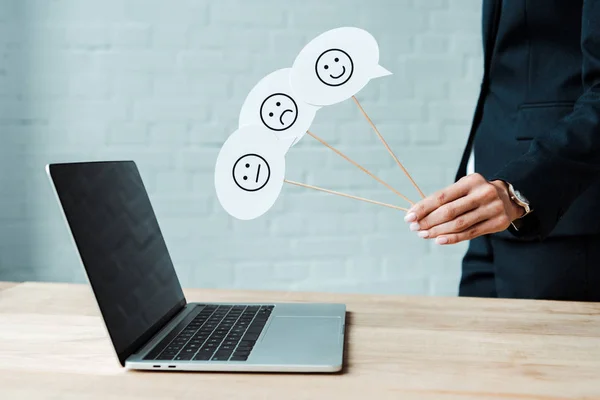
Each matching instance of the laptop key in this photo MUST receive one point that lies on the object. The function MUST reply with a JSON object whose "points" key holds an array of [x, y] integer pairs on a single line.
{"points": [[251, 336], [222, 356], [203, 356], [164, 357]]}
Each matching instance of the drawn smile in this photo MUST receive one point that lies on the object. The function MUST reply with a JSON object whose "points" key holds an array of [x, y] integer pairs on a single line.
{"points": [[282, 114], [340, 75]]}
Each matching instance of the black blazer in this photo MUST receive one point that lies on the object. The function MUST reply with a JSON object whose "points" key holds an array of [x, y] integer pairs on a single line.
{"points": [[537, 120]]}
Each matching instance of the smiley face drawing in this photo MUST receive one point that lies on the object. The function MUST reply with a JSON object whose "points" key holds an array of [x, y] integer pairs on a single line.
{"points": [[279, 112], [251, 172], [334, 67]]}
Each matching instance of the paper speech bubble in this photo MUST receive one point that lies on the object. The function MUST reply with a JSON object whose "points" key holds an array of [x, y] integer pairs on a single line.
{"points": [[335, 66], [273, 104], [249, 172]]}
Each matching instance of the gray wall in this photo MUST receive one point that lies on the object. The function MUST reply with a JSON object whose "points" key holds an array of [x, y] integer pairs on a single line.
{"points": [[161, 82]]}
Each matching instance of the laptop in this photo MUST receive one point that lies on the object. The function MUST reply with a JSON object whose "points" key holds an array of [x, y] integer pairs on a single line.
{"points": [[148, 319]]}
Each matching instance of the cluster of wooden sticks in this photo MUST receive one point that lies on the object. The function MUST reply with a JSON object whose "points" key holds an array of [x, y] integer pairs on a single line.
{"points": [[365, 170]]}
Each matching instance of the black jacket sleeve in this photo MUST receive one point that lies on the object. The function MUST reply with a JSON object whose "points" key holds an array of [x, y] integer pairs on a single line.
{"points": [[562, 163]]}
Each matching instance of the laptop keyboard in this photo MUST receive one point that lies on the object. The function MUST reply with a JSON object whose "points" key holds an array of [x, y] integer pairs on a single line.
{"points": [[216, 333]]}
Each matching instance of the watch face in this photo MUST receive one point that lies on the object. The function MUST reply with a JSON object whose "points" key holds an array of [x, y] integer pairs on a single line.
{"points": [[519, 196]]}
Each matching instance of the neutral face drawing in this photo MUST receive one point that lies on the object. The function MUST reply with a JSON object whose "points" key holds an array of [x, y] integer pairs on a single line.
{"points": [[279, 112], [251, 172], [334, 67]]}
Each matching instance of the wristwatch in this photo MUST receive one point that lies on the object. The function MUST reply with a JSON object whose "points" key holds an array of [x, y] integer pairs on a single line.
{"points": [[520, 200]]}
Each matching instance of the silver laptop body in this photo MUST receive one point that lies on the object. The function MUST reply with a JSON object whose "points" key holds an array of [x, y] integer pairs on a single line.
{"points": [[149, 321]]}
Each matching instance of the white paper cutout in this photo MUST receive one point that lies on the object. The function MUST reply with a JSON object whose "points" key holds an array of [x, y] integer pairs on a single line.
{"points": [[249, 172], [272, 103], [335, 66]]}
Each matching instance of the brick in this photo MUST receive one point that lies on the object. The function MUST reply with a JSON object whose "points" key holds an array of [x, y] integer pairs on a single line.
{"points": [[244, 248], [199, 160], [432, 44], [131, 35], [161, 110], [215, 37], [209, 60], [88, 37], [427, 134], [430, 4], [365, 268], [464, 89], [217, 275], [327, 246], [459, 21], [172, 182], [127, 133], [44, 87], [90, 86], [259, 227], [468, 44], [80, 11], [381, 17], [291, 271], [465, 5], [402, 242], [442, 67], [132, 84], [253, 275], [328, 268], [169, 134], [169, 36], [451, 111], [138, 60], [184, 13], [293, 223]]}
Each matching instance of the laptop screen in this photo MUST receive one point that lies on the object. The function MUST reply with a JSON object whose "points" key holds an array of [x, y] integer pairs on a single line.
{"points": [[122, 249]]}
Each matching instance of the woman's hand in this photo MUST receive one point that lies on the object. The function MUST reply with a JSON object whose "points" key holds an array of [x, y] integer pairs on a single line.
{"points": [[465, 210]]}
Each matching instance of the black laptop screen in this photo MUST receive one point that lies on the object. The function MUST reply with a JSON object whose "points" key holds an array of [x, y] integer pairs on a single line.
{"points": [[121, 247]]}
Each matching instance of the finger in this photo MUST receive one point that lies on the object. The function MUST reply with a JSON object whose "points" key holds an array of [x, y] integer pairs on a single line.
{"points": [[486, 227], [446, 213], [461, 223], [424, 207]]}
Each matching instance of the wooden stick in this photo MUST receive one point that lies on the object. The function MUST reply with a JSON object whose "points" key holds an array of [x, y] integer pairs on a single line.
{"points": [[360, 167], [388, 147], [344, 195]]}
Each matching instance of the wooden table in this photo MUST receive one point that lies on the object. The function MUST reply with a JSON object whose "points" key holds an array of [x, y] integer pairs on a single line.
{"points": [[53, 346]]}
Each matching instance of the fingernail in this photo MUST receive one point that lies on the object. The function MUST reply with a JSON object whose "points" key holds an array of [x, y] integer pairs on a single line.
{"points": [[414, 227], [441, 240], [423, 234], [410, 217]]}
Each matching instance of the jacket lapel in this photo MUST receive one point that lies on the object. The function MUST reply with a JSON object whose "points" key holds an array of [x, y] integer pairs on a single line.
{"points": [[490, 21]]}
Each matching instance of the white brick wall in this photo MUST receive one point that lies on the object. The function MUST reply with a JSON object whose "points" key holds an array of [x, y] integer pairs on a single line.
{"points": [[162, 83]]}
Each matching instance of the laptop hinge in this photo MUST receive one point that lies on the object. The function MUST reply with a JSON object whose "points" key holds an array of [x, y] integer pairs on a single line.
{"points": [[140, 342]]}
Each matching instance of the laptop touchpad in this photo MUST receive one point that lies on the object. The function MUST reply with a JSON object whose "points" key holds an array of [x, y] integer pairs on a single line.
{"points": [[302, 338]]}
